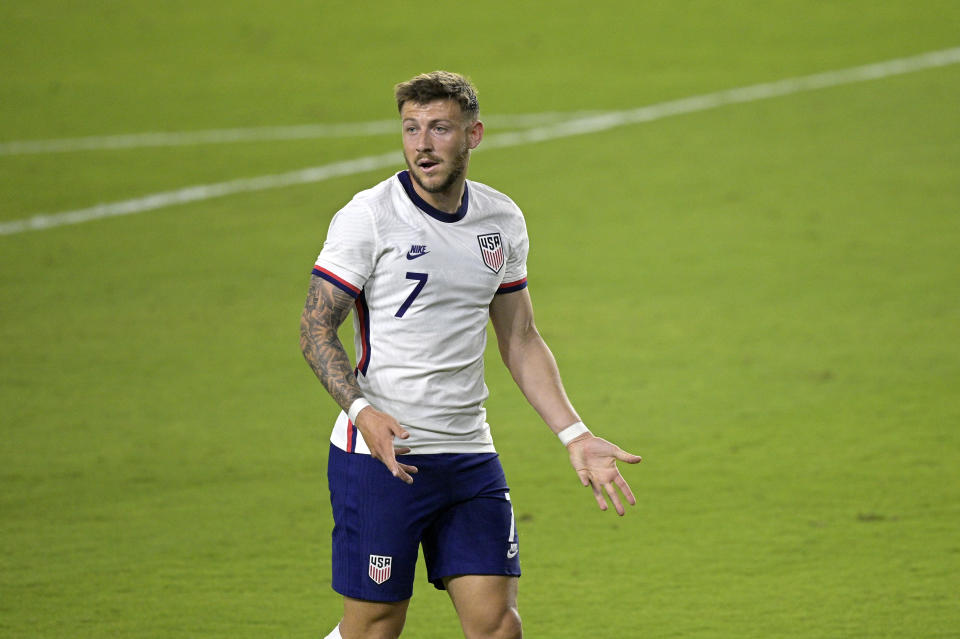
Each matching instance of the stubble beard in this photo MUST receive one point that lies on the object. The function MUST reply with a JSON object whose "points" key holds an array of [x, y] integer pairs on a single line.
{"points": [[458, 167]]}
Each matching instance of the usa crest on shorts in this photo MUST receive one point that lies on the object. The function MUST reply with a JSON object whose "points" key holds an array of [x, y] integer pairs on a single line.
{"points": [[379, 569], [491, 249]]}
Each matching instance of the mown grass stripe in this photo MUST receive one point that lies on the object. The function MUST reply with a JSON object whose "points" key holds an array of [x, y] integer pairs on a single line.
{"points": [[591, 123]]}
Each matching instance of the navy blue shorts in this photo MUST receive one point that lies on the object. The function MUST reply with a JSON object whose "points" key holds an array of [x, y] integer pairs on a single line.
{"points": [[458, 509]]}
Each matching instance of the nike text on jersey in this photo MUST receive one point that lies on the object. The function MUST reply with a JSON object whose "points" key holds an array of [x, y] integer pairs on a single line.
{"points": [[417, 250]]}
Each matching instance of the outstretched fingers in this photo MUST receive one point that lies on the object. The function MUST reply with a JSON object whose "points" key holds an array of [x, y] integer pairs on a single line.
{"points": [[598, 494], [398, 469], [625, 489], [601, 486], [629, 458], [614, 499], [586, 479], [610, 488], [595, 461], [402, 472], [379, 431]]}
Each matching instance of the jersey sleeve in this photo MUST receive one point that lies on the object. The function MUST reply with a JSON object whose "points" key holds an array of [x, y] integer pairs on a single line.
{"points": [[515, 270], [347, 257]]}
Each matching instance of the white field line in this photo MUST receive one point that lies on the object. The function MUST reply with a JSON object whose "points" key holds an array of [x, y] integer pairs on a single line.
{"points": [[579, 126], [753, 93], [255, 134], [201, 192]]}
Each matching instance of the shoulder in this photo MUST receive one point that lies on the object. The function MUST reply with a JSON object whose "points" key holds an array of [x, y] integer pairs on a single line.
{"points": [[376, 196], [489, 197], [368, 206], [494, 206]]}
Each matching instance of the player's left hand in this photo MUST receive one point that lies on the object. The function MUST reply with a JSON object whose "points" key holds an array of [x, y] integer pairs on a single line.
{"points": [[595, 461]]}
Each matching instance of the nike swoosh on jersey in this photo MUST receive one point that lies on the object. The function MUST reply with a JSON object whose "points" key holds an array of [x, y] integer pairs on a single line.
{"points": [[413, 256]]}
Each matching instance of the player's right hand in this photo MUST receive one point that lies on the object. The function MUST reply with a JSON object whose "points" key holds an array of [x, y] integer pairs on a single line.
{"points": [[379, 430]]}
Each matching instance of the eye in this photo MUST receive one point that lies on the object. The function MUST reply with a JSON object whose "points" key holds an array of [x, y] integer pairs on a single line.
{"points": [[440, 129]]}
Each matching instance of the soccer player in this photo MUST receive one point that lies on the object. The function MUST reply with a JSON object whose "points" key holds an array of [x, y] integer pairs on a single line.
{"points": [[425, 259]]}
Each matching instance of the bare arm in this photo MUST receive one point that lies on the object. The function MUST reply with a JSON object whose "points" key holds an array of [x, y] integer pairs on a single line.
{"points": [[535, 371], [529, 360], [324, 311]]}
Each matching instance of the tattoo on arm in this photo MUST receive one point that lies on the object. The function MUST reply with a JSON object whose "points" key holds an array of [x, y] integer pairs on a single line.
{"points": [[325, 310]]}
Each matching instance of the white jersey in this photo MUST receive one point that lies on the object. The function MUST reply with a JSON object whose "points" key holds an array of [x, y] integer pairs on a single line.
{"points": [[423, 281]]}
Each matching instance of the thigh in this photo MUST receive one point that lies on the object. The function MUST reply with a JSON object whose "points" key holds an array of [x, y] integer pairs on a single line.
{"points": [[477, 534], [378, 526], [486, 605]]}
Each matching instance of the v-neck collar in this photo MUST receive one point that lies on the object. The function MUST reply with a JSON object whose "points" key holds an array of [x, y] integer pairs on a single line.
{"points": [[423, 205]]}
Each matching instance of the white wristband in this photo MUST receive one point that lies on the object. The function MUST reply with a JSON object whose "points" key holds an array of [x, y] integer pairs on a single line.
{"points": [[571, 432], [358, 405]]}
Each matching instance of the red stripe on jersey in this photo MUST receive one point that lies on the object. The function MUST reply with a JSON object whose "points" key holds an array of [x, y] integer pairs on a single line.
{"points": [[510, 287], [339, 282], [363, 319]]}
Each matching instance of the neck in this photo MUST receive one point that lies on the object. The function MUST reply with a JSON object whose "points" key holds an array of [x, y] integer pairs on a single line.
{"points": [[447, 201]]}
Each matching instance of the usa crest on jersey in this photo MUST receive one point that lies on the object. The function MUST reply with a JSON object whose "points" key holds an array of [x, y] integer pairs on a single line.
{"points": [[491, 249], [379, 569]]}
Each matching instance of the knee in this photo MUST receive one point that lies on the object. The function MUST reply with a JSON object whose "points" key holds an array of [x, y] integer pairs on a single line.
{"points": [[510, 626], [372, 621], [504, 626]]}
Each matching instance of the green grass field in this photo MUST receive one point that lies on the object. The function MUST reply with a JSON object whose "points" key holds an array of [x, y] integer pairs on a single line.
{"points": [[762, 299]]}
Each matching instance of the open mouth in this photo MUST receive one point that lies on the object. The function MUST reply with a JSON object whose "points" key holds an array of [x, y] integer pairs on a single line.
{"points": [[427, 164]]}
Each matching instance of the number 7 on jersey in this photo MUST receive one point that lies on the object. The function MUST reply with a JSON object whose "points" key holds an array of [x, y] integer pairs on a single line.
{"points": [[421, 280]]}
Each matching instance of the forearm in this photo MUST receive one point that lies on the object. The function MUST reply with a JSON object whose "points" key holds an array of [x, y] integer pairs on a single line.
{"points": [[326, 356], [323, 313], [535, 370]]}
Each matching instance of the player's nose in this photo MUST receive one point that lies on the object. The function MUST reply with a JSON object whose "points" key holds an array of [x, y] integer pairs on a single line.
{"points": [[423, 141]]}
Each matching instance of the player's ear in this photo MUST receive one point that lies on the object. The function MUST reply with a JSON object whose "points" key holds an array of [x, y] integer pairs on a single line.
{"points": [[475, 133]]}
